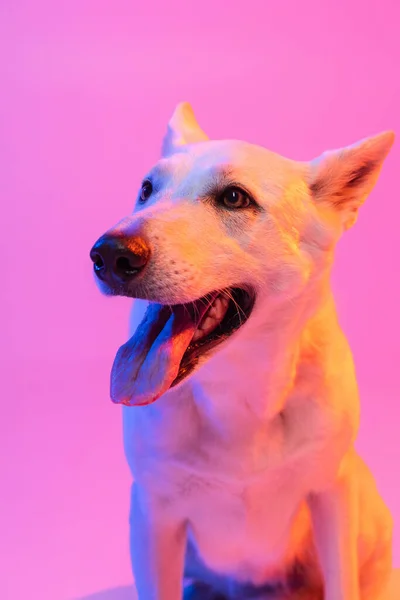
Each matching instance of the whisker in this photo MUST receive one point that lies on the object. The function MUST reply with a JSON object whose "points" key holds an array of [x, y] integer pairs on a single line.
{"points": [[186, 309], [240, 312], [196, 311]]}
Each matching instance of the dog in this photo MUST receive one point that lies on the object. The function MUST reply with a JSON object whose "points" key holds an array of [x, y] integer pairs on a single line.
{"points": [[238, 386]]}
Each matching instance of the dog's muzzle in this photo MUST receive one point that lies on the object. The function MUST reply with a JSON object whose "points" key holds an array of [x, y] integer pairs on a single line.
{"points": [[117, 259]]}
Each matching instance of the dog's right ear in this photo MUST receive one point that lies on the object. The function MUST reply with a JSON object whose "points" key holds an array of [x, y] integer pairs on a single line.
{"points": [[183, 129], [344, 178]]}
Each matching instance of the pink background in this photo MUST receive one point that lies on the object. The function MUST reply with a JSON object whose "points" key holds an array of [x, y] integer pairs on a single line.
{"points": [[87, 88]]}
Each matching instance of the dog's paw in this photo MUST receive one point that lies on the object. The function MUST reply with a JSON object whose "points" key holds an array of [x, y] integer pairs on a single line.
{"points": [[200, 591]]}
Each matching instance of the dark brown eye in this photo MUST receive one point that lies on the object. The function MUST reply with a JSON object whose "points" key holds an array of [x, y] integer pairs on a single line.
{"points": [[146, 191], [235, 198]]}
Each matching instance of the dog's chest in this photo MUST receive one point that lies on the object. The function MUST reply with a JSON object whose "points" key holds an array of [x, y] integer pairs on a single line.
{"points": [[224, 439], [250, 529], [216, 441], [239, 482]]}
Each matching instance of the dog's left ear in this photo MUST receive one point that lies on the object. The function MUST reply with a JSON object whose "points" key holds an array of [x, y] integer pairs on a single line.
{"points": [[344, 178], [182, 129]]}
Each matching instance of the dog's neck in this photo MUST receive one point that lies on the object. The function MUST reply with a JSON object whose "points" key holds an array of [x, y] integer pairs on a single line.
{"points": [[260, 365]]}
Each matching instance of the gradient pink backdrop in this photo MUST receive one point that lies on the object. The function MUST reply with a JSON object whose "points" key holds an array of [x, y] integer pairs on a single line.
{"points": [[87, 88]]}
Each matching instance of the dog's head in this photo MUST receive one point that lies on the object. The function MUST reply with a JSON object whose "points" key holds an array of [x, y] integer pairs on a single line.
{"points": [[221, 229]]}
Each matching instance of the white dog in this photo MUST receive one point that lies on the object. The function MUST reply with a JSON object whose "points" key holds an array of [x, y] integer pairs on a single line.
{"points": [[241, 403]]}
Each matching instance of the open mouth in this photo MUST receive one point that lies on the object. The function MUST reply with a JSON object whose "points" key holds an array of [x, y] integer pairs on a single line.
{"points": [[171, 340], [227, 311]]}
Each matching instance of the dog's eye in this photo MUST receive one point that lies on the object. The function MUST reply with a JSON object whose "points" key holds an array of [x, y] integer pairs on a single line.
{"points": [[146, 191], [234, 197]]}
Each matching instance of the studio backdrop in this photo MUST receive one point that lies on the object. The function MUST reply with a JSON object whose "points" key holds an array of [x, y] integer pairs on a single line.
{"points": [[87, 88]]}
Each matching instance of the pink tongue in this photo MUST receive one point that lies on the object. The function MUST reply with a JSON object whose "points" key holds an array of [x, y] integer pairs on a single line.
{"points": [[146, 366]]}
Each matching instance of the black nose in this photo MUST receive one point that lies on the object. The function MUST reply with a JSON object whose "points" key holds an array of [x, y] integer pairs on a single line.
{"points": [[119, 260]]}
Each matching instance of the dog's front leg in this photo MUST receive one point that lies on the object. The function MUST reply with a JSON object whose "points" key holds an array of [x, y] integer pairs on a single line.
{"points": [[157, 545], [334, 515]]}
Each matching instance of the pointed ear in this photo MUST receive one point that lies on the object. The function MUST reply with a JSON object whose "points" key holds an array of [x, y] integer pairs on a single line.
{"points": [[182, 129], [344, 178]]}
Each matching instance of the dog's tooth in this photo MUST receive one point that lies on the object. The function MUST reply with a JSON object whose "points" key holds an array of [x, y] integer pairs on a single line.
{"points": [[208, 324], [213, 312], [213, 318], [198, 334], [219, 307], [215, 307], [206, 327]]}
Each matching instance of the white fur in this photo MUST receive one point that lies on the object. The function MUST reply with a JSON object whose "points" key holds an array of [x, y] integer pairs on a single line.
{"points": [[251, 457]]}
